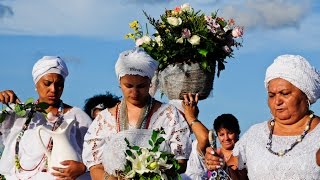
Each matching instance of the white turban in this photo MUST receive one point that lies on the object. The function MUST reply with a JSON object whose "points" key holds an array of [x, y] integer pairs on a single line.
{"points": [[49, 64], [135, 62], [296, 70]]}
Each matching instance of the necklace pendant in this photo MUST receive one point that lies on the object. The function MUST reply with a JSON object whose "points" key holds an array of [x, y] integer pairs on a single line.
{"points": [[281, 153]]}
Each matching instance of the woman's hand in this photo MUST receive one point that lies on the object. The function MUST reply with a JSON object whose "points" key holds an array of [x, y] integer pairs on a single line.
{"points": [[72, 170], [190, 107], [214, 159], [8, 96]]}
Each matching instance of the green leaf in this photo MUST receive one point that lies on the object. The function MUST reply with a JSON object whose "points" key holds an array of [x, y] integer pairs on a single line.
{"points": [[21, 113], [154, 135], [203, 52], [43, 106], [3, 116], [150, 143], [129, 153], [29, 101], [135, 148]]}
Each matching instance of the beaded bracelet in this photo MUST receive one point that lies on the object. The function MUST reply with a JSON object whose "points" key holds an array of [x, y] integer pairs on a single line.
{"points": [[192, 122]]}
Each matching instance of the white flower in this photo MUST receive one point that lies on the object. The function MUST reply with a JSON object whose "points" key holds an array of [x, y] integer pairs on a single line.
{"points": [[186, 7], [139, 163], [194, 40], [180, 40], [158, 40], [143, 40], [174, 21]]}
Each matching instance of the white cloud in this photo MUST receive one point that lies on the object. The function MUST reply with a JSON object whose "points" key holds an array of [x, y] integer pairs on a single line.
{"points": [[109, 19], [268, 13]]}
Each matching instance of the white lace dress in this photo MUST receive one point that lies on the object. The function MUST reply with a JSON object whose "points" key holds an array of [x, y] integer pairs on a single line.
{"points": [[297, 164], [30, 151], [104, 127]]}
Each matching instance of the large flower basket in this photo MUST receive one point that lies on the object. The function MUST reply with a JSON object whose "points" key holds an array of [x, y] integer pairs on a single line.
{"points": [[180, 78]]}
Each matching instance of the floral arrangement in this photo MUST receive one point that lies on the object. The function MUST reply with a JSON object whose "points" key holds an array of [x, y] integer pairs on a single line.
{"points": [[183, 35], [150, 163]]}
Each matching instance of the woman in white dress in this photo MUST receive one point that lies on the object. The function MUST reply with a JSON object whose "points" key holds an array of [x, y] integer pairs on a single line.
{"points": [[287, 146], [137, 110], [23, 156]]}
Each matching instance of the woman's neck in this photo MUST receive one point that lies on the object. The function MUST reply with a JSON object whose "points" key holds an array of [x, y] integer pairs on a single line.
{"points": [[226, 153], [291, 129]]}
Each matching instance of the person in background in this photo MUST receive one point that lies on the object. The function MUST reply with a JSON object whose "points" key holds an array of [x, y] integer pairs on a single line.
{"points": [[23, 157], [136, 111], [286, 146], [227, 130], [97, 103]]}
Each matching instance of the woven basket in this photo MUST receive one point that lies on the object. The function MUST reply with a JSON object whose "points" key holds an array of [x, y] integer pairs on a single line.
{"points": [[176, 80]]}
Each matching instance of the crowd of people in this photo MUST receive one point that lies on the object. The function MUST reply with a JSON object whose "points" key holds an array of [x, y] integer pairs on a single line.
{"points": [[284, 147]]}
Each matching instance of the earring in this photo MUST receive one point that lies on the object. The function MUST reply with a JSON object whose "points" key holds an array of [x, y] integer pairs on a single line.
{"points": [[36, 89], [309, 104]]}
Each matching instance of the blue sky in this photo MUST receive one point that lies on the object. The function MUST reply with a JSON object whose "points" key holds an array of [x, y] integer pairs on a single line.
{"points": [[89, 35]]}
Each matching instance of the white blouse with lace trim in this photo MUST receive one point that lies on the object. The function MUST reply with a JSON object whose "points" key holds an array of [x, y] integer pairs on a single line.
{"points": [[167, 116], [30, 150], [297, 164]]}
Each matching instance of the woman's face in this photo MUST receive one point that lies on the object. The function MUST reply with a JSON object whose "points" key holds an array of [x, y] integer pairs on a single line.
{"points": [[287, 103], [227, 138], [50, 88], [135, 89]]}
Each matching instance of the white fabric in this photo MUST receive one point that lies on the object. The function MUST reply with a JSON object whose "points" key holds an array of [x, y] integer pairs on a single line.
{"points": [[30, 151], [196, 169], [135, 62], [177, 103], [49, 64], [297, 71], [297, 164], [104, 127]]}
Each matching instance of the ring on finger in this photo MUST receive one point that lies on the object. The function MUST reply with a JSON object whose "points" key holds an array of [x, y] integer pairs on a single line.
{"points": [[61, 170]]}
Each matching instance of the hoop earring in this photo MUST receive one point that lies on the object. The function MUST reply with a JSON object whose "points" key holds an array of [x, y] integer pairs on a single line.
{"points": [[309, 104]]}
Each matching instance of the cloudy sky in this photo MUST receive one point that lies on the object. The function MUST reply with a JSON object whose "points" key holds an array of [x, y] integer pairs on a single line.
{"points": [[89, 34]]}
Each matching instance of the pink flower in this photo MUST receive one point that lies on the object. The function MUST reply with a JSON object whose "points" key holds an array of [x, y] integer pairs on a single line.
{"points": [[237, 32], [186, 33]]}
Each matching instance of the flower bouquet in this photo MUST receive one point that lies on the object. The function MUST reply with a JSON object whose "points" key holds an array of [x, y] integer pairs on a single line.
{"points": [[150, 163], [189, 47]]}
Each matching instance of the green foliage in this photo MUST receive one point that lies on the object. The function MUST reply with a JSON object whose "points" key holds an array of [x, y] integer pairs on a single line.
{"points": [[183, 35], [21, 109]]}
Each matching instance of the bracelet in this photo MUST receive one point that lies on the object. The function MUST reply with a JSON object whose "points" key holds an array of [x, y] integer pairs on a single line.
{"points": [[192, 122]]}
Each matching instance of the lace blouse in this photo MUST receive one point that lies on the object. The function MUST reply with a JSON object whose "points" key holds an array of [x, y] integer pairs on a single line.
{"points": [[297, 164], [104, 127], [30, 151]]}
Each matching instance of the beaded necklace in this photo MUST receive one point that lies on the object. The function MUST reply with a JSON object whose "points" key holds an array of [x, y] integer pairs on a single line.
{"points": [[122, 116], [25, 127], [298, 140]]}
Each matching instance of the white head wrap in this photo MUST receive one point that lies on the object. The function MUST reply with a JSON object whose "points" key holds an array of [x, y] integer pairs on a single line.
{"points": [[49, 64], [135, 62], [296, 70]]}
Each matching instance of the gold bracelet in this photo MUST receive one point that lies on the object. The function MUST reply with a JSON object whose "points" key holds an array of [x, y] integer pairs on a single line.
{"points": [[192, 122]]}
